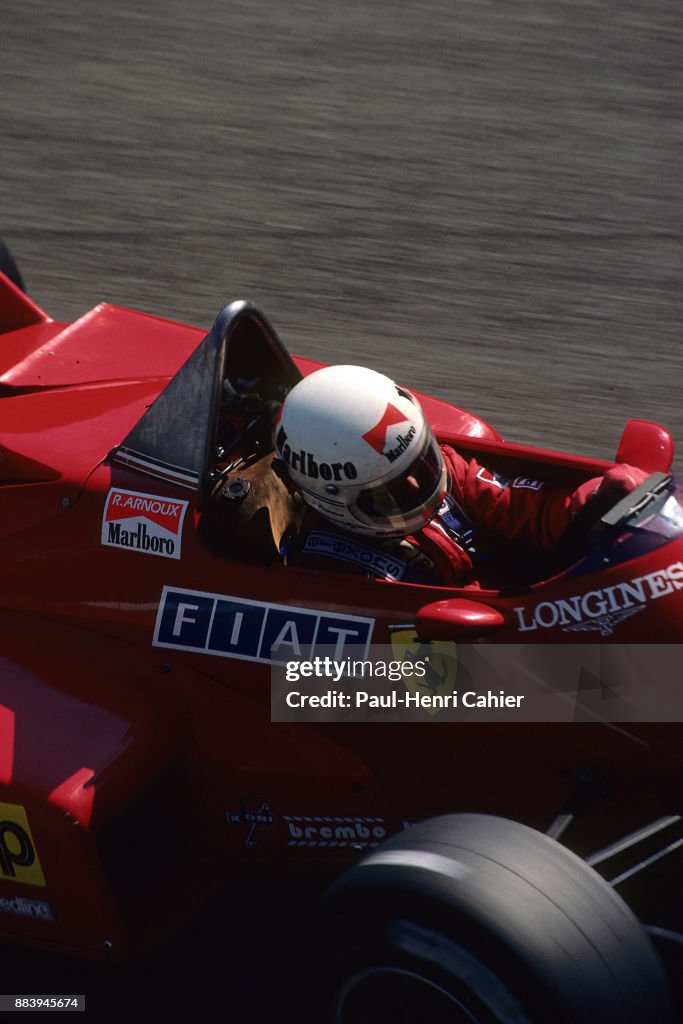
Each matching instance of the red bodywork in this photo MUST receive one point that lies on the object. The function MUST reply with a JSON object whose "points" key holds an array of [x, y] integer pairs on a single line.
{"points": [[137, 779]]}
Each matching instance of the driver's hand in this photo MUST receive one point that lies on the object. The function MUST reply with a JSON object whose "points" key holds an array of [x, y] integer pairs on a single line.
{"points": [[619, 480]]}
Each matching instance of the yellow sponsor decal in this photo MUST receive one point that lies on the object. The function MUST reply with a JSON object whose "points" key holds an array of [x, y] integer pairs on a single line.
{"points": [[18, 855], [440, 660]]}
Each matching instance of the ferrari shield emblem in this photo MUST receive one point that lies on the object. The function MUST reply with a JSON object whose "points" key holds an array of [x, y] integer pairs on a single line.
{"points": [[439, 656]]}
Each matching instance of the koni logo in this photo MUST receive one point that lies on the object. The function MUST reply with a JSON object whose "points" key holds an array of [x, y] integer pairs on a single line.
{"points": [[143, 522]]}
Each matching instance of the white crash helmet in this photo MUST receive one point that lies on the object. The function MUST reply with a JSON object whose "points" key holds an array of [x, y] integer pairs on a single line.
{"points": [[361, 452]]}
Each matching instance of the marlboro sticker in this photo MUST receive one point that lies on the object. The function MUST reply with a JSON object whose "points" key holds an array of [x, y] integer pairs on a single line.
{"points": [[143, 522]]}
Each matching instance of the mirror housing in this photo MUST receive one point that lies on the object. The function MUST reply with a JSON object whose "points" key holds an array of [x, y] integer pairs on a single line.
{"points": [[458, 618], [647, 445]]}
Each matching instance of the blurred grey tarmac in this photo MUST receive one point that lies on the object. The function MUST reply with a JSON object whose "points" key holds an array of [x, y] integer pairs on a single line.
{"points": [[482, 199]]}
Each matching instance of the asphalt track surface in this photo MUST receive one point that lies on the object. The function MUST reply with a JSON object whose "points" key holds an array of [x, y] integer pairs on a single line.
{"points": [[482, 199]]}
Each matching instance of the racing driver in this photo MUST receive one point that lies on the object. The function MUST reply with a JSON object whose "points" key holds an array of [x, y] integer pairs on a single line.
{"points": [[381, 497]]}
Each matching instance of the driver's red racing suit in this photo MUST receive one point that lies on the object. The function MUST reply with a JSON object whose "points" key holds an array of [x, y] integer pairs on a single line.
{"points": [[445, 551]]}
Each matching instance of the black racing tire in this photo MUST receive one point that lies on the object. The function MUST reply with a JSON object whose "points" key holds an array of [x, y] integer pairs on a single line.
{"points": [[9, 267], [471, 919]]}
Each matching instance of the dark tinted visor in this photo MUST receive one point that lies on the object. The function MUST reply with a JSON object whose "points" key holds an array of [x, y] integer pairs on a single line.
{"points": [[416, 486]]}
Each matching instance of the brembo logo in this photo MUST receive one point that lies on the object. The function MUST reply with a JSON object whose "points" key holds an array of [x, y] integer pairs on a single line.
{"points": [[601, 610], [143, 522], [377, 436], [305, 463], [334, 832]]}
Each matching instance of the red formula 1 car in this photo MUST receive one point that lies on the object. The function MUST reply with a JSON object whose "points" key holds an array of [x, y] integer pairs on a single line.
{"points": [[141, 774]]}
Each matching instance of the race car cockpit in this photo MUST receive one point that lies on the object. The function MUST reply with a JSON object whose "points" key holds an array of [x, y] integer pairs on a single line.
{"points": [[211, 431], [210, 407], [213, 420]]}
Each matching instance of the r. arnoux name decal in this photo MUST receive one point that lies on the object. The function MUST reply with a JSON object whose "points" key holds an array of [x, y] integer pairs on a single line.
{"points": [[232, 627], [601, 610], [143, 522]]}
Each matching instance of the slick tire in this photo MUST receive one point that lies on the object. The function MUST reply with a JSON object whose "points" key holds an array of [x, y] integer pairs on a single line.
{"points": [[471, 919], [9, 267]]}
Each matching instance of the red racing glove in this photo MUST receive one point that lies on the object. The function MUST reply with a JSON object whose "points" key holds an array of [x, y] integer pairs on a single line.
{"points": [[620, 480]]}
